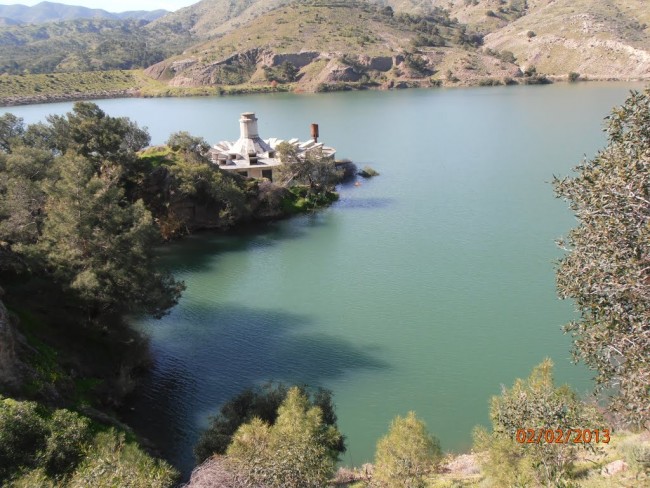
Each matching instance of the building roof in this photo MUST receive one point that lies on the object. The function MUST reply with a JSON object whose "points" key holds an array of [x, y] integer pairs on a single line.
{"points": [[250, 150]]}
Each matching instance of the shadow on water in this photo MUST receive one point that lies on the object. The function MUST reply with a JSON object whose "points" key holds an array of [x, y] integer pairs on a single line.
{"points": [[201, 248], [206, 358]]}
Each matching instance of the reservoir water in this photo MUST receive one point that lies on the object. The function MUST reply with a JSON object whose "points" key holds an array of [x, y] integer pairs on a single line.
{"points": [[424, 289]]}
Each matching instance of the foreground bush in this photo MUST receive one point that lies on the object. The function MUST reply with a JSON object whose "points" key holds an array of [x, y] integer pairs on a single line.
{"points": [[39, 448], [114, 462], [294, 452], [406, 455], [536, 404], [262, 402], [22, 436]]}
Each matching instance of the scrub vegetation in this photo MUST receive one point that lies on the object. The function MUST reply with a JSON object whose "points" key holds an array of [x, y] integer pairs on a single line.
{"points": [[48, 448]]}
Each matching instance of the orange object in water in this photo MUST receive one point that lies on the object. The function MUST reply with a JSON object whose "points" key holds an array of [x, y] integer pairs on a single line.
{"points": [[358, 183]]}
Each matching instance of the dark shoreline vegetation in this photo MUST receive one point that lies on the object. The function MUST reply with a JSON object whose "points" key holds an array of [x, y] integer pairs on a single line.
{"points": [[83, 204]]}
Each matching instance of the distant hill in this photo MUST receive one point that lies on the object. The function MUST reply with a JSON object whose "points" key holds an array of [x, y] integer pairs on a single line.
{"points": [[331, 42], [599, 39], [210, 18], [84, 45], [57, 12]]}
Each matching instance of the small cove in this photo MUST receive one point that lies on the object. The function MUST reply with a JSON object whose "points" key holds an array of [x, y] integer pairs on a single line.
{"points": [[424, 289]]}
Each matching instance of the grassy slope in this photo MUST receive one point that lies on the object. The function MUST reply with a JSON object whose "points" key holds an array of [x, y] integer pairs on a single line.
{"points": [[15, 89], [597, 38], [209, 18], [341, 28], [334, 29]]}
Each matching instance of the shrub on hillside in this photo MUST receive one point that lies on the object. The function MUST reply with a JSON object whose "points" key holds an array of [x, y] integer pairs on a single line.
{"points": [[406, 455], [22, 436], [261, 402], [69, 434], [536, 405], [295, 452], [113, 462], [45, 449]]}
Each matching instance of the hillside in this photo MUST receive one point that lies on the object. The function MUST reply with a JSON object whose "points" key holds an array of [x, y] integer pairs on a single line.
{"points": [[242, 46], [597, 38], [332, 45], [57, 12], [83, 45], [211, 18]]}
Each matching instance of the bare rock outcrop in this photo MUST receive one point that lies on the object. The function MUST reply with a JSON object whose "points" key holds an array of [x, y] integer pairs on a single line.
{"points": [[158, 71], [613, 468], [335, 71], [377, 63], [299, 60]]}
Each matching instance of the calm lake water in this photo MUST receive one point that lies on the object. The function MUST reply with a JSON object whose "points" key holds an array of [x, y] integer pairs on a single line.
{"points": [[424, 289]]}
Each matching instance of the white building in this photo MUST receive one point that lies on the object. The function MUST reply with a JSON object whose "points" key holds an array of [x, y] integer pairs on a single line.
{"points": [[256, 158]]}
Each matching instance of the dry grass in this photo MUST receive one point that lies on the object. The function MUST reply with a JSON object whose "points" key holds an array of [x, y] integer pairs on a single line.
{"points": [[600, 40]]}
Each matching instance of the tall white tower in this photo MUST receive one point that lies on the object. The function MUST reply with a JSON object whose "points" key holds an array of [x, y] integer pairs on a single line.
{"points": [[249, 142]]}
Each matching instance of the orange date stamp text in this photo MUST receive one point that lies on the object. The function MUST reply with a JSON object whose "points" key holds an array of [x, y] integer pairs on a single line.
{"points": [[562, 436]]}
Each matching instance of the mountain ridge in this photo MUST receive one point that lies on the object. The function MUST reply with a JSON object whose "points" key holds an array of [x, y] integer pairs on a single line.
{"points": [[56, 12]]}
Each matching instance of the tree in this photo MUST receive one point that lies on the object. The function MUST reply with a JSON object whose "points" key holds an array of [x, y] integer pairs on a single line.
{"points": [[311, 168], [606, 268], [88, 131], [536, 405], [187, 143], [98, 137], [294, 452], [406, 455], [99, 246], [11, 129], [262, 402], [22, 197]]}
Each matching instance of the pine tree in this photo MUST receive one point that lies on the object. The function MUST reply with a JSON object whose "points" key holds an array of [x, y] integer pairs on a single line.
{"points": [[294, 452], [99, 245], [406, 455]]}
